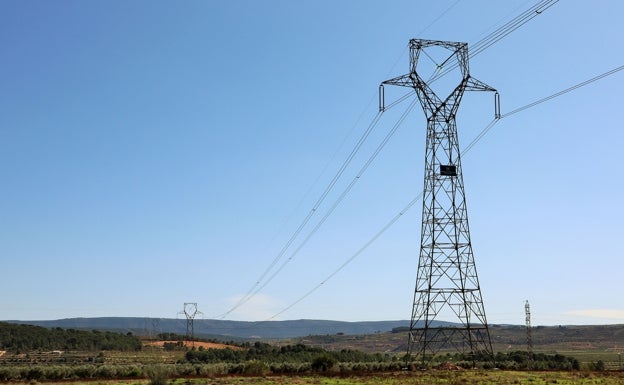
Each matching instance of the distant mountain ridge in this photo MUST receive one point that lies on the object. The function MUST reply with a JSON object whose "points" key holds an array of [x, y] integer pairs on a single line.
{"points": [[367, 336], [222, 328]]}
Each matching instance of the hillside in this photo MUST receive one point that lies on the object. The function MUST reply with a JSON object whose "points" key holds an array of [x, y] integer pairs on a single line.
{"points": [[379, 336], [606, 338], [221, 329]]}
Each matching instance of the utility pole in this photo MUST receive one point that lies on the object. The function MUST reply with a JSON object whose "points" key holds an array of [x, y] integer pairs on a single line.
{"points": [[447, 284]]}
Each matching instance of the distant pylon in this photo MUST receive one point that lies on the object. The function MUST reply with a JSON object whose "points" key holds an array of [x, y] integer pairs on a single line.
{"points": [[190, 311], [448, 312], [527, 312]]}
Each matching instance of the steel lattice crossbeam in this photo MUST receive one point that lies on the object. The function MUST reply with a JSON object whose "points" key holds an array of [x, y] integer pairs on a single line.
{"points": [[448, 311]]}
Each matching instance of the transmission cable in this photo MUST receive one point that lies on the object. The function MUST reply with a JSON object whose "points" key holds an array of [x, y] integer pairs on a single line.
{"points": [[487, 128], [258, 286], [439, 17], [320, 200], [344, 193], [480, 46], [579, 85], [501, 32], [355, 255], [479, 136], [511, 26], [308, 217]]}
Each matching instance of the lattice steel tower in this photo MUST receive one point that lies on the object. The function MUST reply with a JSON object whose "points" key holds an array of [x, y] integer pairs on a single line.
{"points": [[190, 312], [527, 313], [448, 312]]}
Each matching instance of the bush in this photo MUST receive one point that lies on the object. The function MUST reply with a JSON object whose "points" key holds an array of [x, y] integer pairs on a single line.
{"points": [[157, 374], [35, 374], [256, 368], [323, 363], [129, 371], [598, 365], [290, 367]]}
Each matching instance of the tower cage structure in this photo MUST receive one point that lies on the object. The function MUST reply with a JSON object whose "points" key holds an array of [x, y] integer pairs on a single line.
{"points": [[447, 313]]}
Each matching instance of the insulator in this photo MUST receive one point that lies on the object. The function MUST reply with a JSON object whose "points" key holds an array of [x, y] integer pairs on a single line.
{"points": [[497, 113], [382, 106]]}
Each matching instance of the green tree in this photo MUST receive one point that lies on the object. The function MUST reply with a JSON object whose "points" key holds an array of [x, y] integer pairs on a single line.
{"points": [[323, 362]]}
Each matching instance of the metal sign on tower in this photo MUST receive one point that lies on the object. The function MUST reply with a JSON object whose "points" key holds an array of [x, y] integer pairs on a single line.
{"points": [[448, 312]]}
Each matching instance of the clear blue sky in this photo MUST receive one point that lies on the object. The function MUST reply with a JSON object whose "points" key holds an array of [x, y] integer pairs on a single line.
{"points": [[154, 153]]}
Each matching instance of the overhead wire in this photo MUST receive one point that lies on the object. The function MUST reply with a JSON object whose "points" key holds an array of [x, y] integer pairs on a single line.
{"points": [[350, 259], [261, 282], [481, 45], [411, 203], [579, 85], [326, 167], [254, 288], [260, 286], [447, 10], [511, 26], [487, 128], [344, 193], [307, 218], [500, 33]]}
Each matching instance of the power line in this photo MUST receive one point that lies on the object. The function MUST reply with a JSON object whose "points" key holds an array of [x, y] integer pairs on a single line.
{"points": [[487, 128], [498, 34], [336, 203], [439, 17], [579, 85], [511, 26], [407, 207], [481, 45], [354, 256], [254, 289], [259, 285], [308, 217], [344, 193], [481, 134]]}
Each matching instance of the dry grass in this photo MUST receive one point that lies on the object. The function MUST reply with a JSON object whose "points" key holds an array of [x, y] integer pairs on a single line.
{"points": [[465, 377]]}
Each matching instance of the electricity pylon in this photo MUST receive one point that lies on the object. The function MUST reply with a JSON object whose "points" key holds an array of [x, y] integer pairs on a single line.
{"points": [[448, 312], [527, 314], [190, 311]]}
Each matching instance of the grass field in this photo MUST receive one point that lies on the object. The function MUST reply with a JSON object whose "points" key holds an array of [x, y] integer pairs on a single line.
{"points": [[465, 377]]}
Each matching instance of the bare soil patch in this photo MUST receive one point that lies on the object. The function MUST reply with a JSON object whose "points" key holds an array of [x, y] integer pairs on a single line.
{"points": [[196, 344]]}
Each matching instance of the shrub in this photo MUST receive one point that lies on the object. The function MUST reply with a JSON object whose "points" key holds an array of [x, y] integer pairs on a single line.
{"points": [[256, 368], [323, 363], [157, 374], [35, 374]]}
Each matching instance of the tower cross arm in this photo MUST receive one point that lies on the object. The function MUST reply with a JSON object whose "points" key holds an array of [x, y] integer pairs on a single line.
{"points": [[473, 84], [406, 80]]}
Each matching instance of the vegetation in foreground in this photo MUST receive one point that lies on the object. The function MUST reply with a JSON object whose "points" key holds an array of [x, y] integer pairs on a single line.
{"points": [[432, 377], [262, 359], [107, 355]]}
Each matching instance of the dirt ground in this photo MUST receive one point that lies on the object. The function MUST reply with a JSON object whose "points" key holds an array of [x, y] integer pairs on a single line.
{"points": [[196, 344]]}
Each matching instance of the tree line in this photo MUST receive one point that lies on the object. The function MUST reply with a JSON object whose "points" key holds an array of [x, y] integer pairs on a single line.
{"points": [[261, 351], [18, 338]]}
